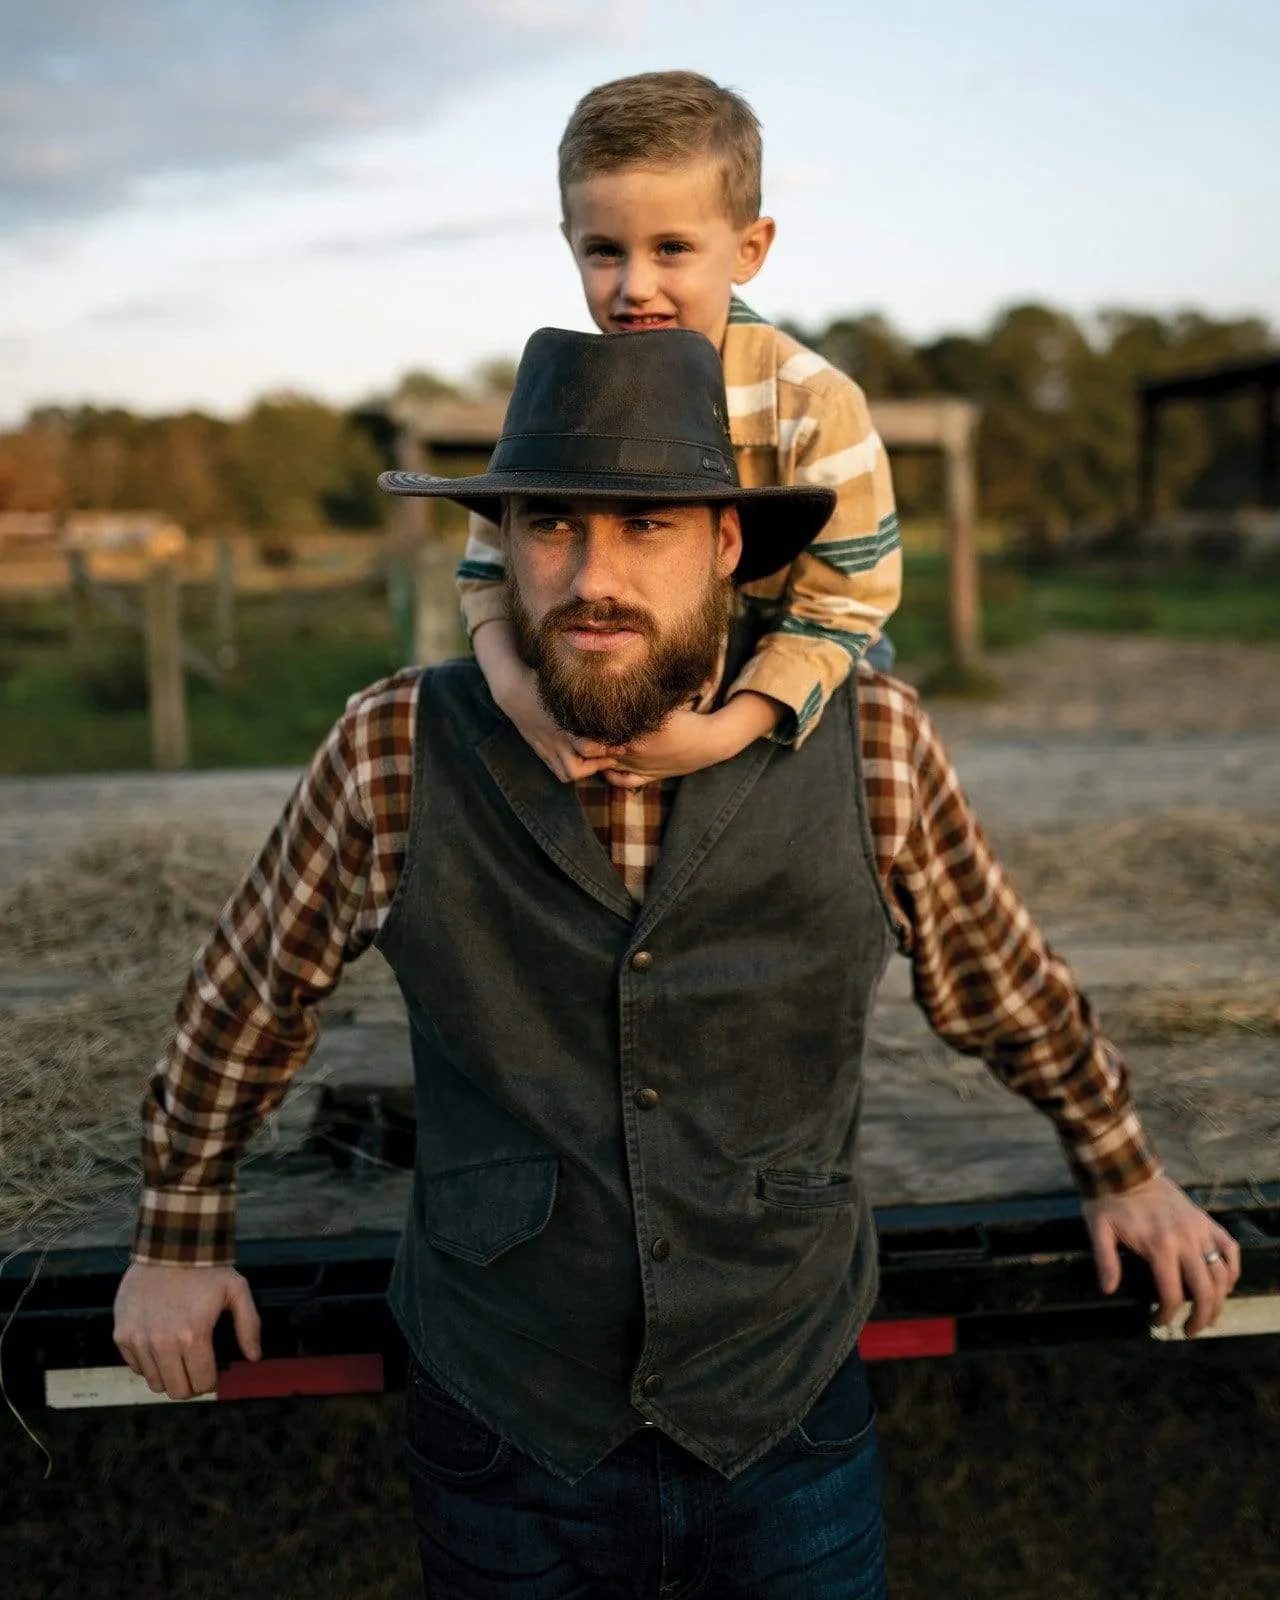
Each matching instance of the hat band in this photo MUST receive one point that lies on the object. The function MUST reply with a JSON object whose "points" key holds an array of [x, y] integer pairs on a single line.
{"points": [[603, 455]]}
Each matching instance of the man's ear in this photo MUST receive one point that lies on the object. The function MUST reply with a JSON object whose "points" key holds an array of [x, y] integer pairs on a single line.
{"points": [[753, 246], [728, 542]]}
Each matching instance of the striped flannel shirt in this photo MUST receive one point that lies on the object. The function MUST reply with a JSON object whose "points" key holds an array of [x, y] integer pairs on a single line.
{"points": [[323, 883], [793, 418]]}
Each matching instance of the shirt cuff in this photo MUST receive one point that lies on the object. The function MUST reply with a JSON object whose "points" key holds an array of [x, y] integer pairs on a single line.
{"points": [[1110, 1160], [186, 1227], [793, 674], [485, 602]]}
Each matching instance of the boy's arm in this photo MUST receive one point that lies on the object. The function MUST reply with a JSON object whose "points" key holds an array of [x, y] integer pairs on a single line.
{"points": [[480, 575], [842, 590]]}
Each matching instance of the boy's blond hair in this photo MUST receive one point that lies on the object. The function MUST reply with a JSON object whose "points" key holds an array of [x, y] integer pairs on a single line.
{"points": [[664, 119]]}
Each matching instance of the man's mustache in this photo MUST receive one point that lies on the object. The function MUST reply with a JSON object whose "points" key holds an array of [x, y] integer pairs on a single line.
{"points": [[597, 614]]}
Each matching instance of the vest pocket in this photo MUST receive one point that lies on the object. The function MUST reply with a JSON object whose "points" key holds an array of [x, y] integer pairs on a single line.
{"points": [[477, 1213], [806, 1190]]}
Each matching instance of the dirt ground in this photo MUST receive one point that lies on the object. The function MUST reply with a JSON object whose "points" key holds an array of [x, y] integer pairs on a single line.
{"points": [[1128, 1472], [1103, 684]]}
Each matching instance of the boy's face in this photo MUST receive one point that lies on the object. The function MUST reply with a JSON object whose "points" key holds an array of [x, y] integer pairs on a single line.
{"points": [[656, 250]]}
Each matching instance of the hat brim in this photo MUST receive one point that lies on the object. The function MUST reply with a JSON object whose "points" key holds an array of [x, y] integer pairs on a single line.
{"points": [[778, 521]]}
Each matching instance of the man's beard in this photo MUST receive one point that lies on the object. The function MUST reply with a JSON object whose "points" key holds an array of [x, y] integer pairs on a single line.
{"points": [[588, 696]]}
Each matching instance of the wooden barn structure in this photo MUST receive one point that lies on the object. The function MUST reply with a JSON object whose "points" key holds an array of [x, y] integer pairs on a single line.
{"points": [[1261, 376]]}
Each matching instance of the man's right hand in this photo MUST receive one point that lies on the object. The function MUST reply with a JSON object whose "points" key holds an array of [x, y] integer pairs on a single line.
{"points": [[165, 1318]]}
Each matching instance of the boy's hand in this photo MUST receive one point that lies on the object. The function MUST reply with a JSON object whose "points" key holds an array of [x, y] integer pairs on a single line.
{"points": [[515, 689], [690, 740], [567, 757]]}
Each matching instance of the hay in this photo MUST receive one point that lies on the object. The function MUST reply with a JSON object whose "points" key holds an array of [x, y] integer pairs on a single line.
{"points": [[71, 1080], [1161, 1016], [125, 914], [121, 917], [1173, 874], [122, 902]]}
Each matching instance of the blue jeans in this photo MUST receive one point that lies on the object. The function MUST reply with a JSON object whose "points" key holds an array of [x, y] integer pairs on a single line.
{"points": [[803, 1523], [882, 654]]}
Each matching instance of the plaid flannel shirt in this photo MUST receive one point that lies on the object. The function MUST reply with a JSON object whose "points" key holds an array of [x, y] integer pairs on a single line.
{"points": [[793, 418], [323, 883]]}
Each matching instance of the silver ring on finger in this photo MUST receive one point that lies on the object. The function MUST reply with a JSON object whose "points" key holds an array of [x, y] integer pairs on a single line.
{"points": [[1213, 1255]]}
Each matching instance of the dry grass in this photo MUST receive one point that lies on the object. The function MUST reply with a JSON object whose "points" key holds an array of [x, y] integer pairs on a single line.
{"points": [[1160, 1016], [1200, 874], [126, 913]]}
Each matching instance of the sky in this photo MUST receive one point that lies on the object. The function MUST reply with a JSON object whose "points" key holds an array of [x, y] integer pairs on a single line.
{"points": [[205, 200]]}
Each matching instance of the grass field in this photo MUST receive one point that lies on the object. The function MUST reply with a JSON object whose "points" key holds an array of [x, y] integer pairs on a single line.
{"points": [[303, 653]]}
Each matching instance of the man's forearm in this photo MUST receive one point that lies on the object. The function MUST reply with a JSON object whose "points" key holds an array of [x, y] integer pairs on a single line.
{"points": [[991, 986], [246, 1023]]}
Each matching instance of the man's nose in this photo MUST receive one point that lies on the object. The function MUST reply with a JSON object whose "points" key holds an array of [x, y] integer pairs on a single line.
{"points": [[596, 576]]}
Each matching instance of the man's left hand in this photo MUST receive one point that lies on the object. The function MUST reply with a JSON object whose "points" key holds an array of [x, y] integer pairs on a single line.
{"points": [[1190, 1255]]}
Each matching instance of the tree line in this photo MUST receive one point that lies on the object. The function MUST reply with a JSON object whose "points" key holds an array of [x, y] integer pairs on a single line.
{"points": [[1057, 449]]}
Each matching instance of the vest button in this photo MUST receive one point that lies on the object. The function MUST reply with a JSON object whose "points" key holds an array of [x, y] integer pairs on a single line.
{"points": [[641, 961], [660, 1249], [650, 1385], [646, 1098]]}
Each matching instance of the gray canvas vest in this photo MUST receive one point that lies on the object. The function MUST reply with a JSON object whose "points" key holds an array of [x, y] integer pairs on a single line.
{"points": [[637, 1197]]}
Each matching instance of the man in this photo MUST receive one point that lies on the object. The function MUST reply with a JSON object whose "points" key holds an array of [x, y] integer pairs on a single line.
{"points": [[639, 1251]]}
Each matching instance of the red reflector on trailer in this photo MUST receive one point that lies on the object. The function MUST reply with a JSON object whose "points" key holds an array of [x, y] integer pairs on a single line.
{"points": [[274, 1379], [916, 1336]]}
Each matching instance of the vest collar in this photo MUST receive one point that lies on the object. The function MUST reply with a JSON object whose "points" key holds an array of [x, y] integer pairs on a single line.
{"points": [[705, 803]]}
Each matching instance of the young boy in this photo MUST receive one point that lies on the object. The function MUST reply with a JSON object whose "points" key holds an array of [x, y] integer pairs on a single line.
{"points": [[660, 190]]}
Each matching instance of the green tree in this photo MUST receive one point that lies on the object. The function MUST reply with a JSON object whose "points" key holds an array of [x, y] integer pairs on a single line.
{"points": [[297, 465]]}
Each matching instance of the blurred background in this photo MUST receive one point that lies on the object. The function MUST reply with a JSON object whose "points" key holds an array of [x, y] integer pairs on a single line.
{"points": [[236, 241], [253, 252]]}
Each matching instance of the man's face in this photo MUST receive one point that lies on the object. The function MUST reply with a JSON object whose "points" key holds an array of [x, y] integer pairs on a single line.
{"points": [[620, 607], [656, 249]]}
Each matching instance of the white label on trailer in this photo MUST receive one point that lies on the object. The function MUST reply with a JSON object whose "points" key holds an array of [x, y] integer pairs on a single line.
{"points": [[78, 1388], [1255, 1314]]}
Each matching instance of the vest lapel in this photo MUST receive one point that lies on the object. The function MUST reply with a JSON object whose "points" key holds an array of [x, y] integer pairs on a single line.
{"points": [[553, 816], [706, 803]]}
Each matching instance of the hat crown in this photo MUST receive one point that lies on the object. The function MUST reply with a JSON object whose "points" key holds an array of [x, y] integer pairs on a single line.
{"points": [[650, 402]]}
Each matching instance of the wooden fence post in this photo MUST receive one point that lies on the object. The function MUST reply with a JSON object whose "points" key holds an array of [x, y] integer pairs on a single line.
{"points": [[224, 607], [436, 619], [167, 689], [962, 549]]}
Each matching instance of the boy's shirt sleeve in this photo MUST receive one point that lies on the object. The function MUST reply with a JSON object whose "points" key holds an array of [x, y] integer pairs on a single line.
{"points": [[480, 575], [845, 586]]}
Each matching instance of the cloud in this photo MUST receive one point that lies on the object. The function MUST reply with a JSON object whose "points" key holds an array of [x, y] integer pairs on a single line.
{"points": [[154, 310], [98, 96], [463, 231]]}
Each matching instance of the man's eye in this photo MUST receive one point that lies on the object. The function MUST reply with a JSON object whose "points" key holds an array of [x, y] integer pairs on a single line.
{"points": [[644, 524], [548, 525], [674, 247], [603, 252]]}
